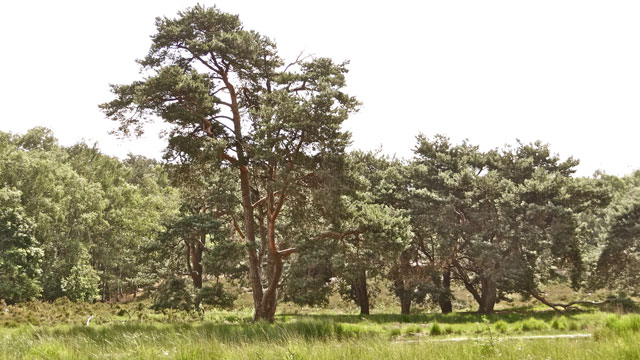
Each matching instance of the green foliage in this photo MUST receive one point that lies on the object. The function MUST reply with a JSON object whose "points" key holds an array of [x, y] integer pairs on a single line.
{"points": [[623, 325], [225, 259], [215, 296], [532, 324], [505, 220], [309, 280], [436, 329], [560, 323], [20, 255], [91, 214], [618, 266], [501, 326], [173, 294], [82, 282]]}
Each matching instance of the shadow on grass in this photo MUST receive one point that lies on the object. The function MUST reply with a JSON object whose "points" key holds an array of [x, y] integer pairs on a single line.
{"points": [[511, 316]]}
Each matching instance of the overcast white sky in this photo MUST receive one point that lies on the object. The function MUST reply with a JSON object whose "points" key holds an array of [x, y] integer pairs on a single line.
{"points": [[564, 72]]}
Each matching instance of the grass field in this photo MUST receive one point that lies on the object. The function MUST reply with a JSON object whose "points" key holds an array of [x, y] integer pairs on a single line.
{"points": [[129, 331]]}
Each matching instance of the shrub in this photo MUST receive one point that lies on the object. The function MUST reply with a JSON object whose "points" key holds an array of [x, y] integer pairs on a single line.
{"points": [[573, 325], [216, 296], [560, 323], [436, 329], [533, 324], [501, 326], [173, 294], [413, 329], [82, 282]]}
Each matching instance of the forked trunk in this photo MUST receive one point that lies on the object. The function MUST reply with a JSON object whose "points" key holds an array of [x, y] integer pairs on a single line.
{"points": [[268, 305]]}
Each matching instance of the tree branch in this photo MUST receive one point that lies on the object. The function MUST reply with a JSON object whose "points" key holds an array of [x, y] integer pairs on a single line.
{"points": [[567, 306], [237, 227], [287, 252], [261, 201], [338, 235], [278, 206]]}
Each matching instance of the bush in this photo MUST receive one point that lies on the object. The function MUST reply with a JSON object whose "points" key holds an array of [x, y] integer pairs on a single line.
{"points": [[82, 282], [573, 325], [501, 326], [173, 294], [413, 329], [216, 296], [436, 329], [533, 324], [560, 323]]}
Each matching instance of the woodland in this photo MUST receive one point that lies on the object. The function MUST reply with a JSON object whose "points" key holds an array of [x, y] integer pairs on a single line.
{"points": [[259, 194]]}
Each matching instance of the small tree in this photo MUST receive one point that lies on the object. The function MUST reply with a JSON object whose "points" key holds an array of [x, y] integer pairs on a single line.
{"points": [[82, 282]]}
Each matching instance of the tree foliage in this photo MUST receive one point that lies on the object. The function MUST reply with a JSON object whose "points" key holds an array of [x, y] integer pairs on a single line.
{"points": [[231, 100], [20, 255]]}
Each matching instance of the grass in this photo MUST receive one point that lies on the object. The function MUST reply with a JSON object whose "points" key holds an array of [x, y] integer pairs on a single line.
{"points": [[315, 340], [56, 331]]}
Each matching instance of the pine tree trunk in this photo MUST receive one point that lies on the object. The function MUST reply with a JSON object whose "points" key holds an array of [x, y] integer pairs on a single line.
{"points": [[195, 252], [268, 305], [444, 300], [362, 294], [250, 240], [405, 303], [403, 283], [488, 297]]}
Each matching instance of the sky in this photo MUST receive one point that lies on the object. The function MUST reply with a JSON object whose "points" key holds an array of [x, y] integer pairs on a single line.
{"points": [[563, 72]]}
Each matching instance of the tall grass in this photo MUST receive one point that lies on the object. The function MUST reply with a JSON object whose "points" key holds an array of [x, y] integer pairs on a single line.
{"points": [[230, 335], [188, 343]]}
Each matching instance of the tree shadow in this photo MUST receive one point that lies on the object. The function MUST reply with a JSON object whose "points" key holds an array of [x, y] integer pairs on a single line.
{"points": [[509, 316]]}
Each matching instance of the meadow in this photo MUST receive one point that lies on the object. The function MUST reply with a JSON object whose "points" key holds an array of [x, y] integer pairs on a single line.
{"points": [[58, 330]]}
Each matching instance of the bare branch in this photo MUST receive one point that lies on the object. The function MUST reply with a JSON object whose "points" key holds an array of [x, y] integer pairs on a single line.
{"points": [[299, 59], [278, 206], [259, 202], [286, 252], [237, 227], [567, 306]]}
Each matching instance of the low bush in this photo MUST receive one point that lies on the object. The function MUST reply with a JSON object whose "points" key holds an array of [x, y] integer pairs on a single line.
{"points": [[436, 329], [560, 323], [532, 324], [501, 326]]}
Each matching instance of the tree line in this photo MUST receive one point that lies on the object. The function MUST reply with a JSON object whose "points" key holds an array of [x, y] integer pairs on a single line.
{"points": [[257, 189]]}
